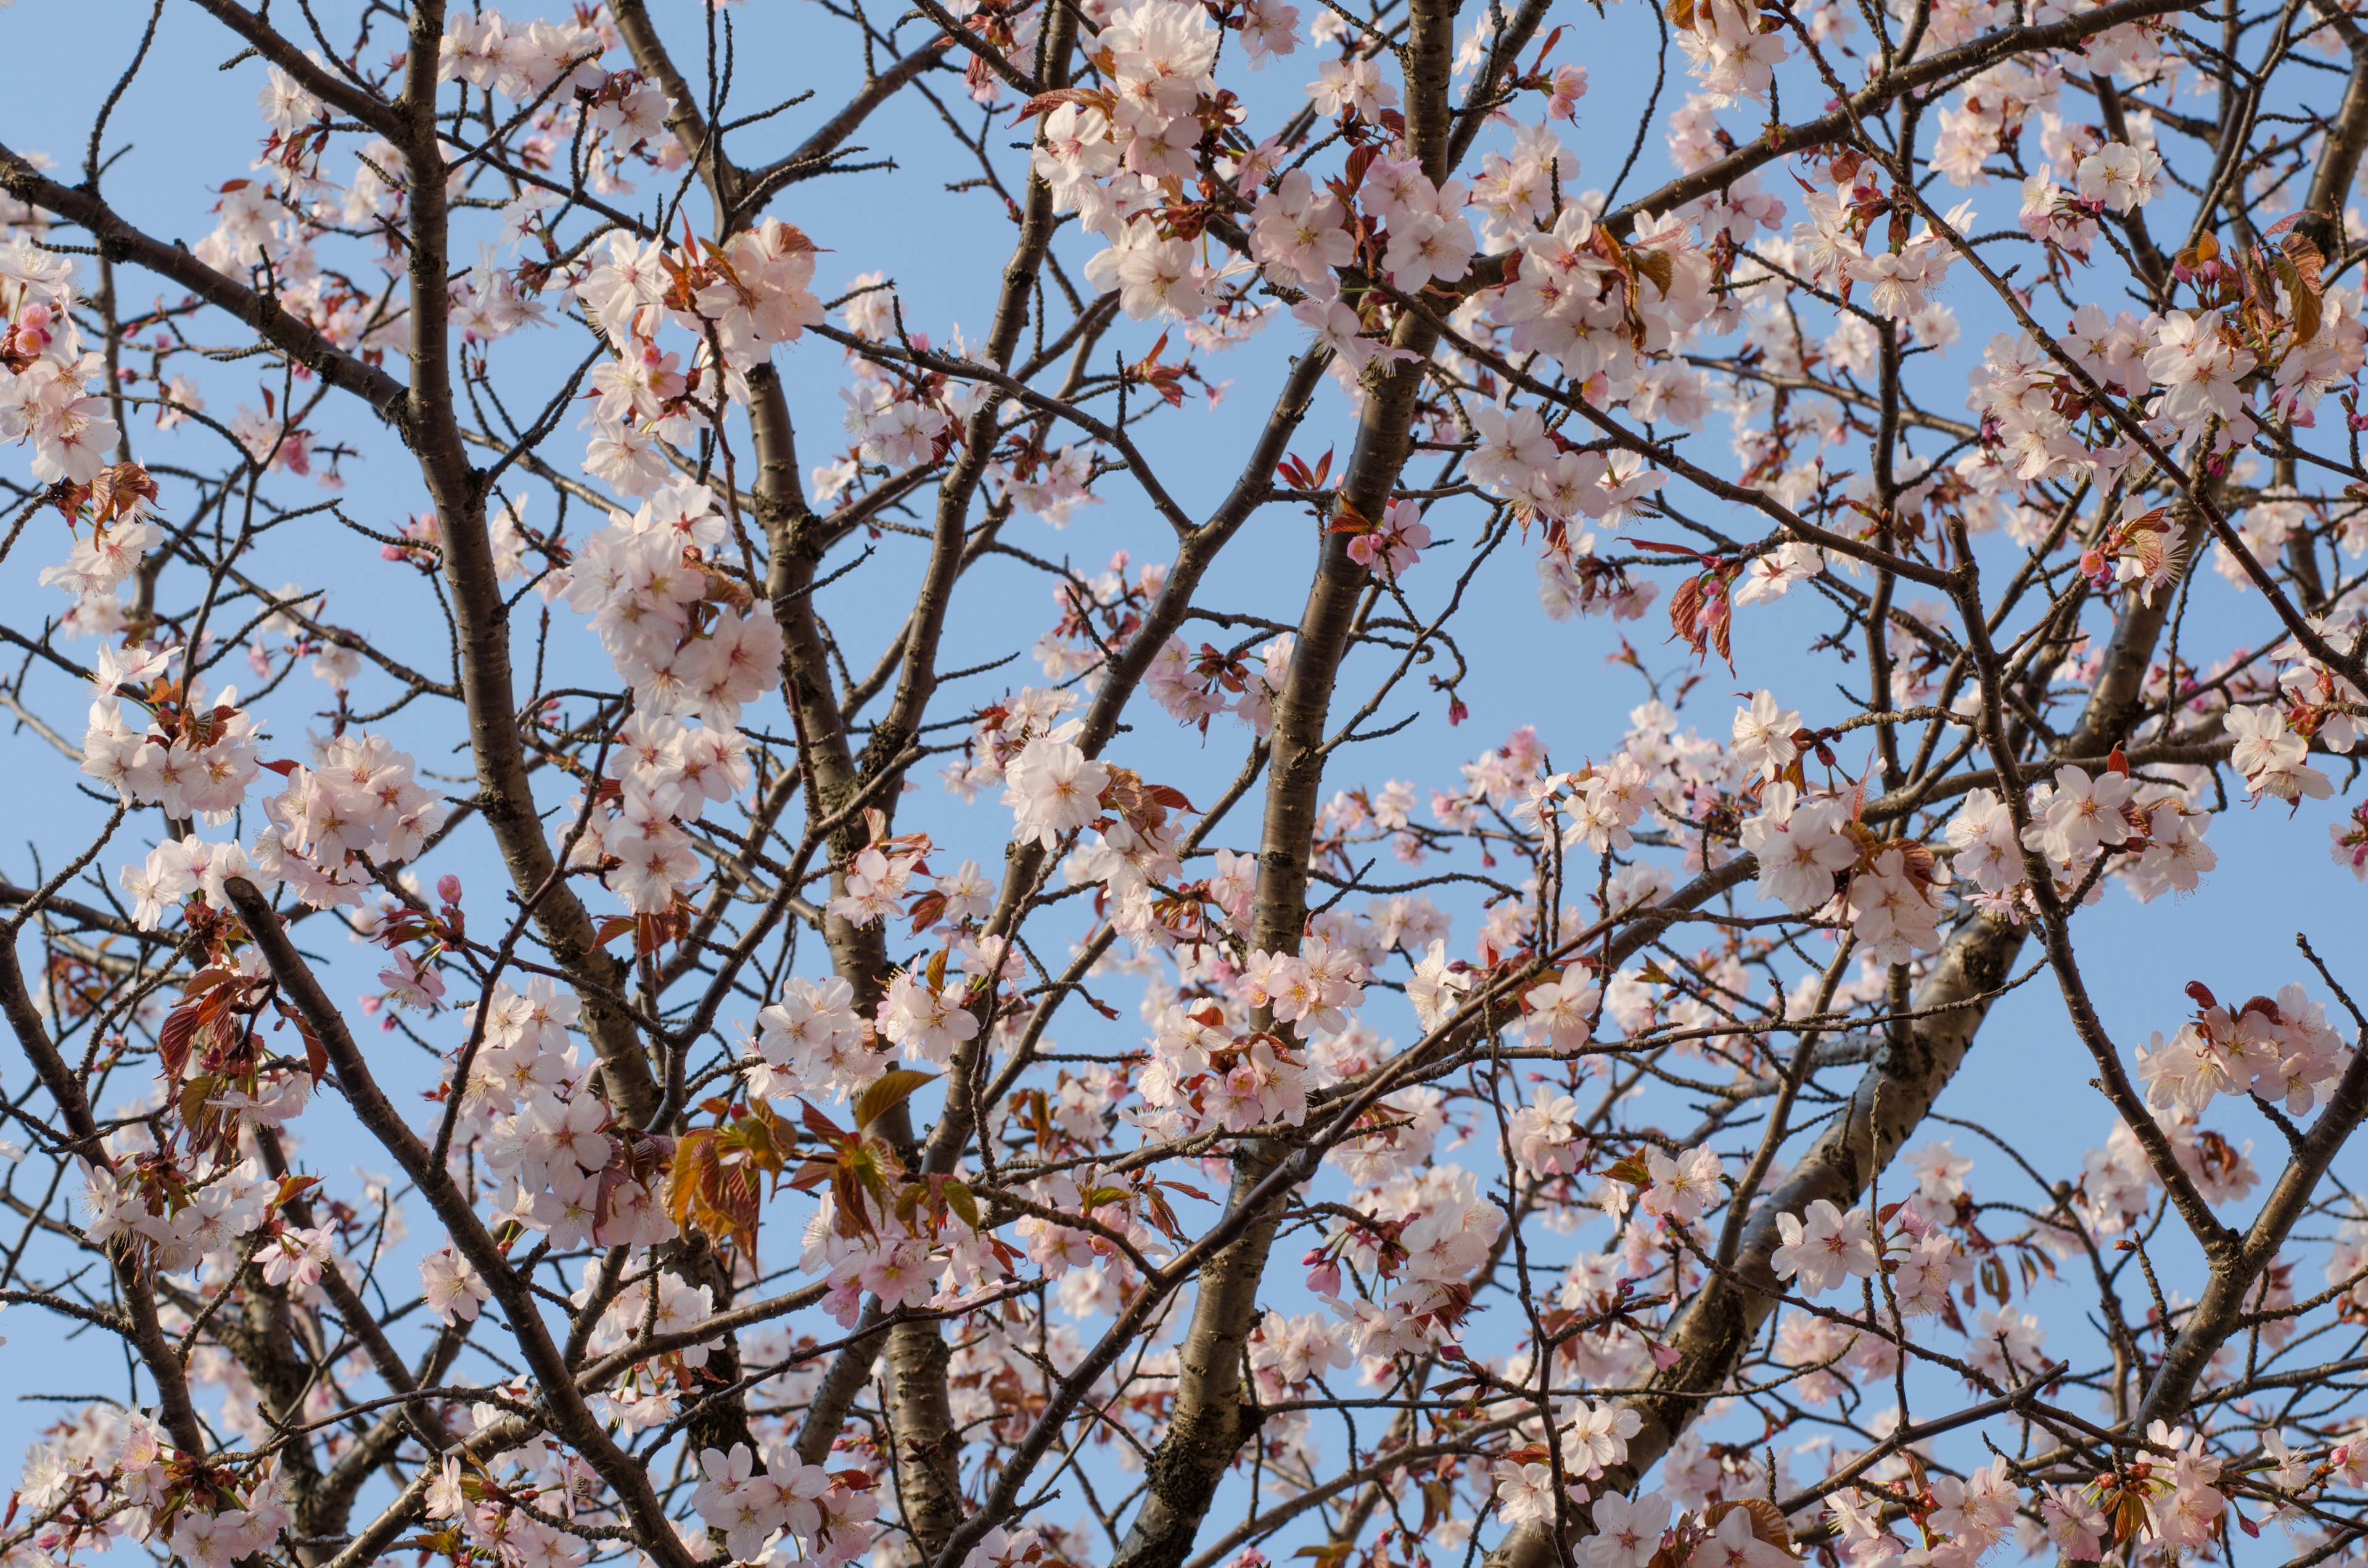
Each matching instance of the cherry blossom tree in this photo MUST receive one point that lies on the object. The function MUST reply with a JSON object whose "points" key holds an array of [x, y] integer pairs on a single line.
{"points": [[1547, 1158]]}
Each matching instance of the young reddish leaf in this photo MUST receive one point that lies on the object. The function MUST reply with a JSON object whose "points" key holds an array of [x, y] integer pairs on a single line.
{"points": [[1353, 174], [1159, 1214], [316, 1055], [1044, 103], [1347, 519], [820, 1125], [892, 1089], [173, 1039]]}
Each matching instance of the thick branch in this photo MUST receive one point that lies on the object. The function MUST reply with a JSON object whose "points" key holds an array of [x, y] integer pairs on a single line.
{"points": [[571, 1419], [296, 339]]}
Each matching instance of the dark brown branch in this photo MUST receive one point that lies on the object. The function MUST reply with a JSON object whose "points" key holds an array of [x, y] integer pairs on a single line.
{"points": [[299, 341], [571, 1419]]}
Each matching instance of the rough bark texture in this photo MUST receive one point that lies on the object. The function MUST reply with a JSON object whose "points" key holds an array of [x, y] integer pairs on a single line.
{"points": [[929, 1444], [2217, 1314], [796, 542], [505, 795], [2321, 219], [1213, 1417]]}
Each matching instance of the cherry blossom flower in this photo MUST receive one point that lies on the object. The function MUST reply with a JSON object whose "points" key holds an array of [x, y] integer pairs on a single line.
{"points": [[1731, 1545], [2270, 757], [1822, 1247], [1627, 1534], [1763, 736], [1683, 1187]]}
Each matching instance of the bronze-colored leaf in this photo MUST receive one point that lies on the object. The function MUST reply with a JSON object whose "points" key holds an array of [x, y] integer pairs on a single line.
{"points": [[173, 1041], [2307, 259], [892, 1089]]}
